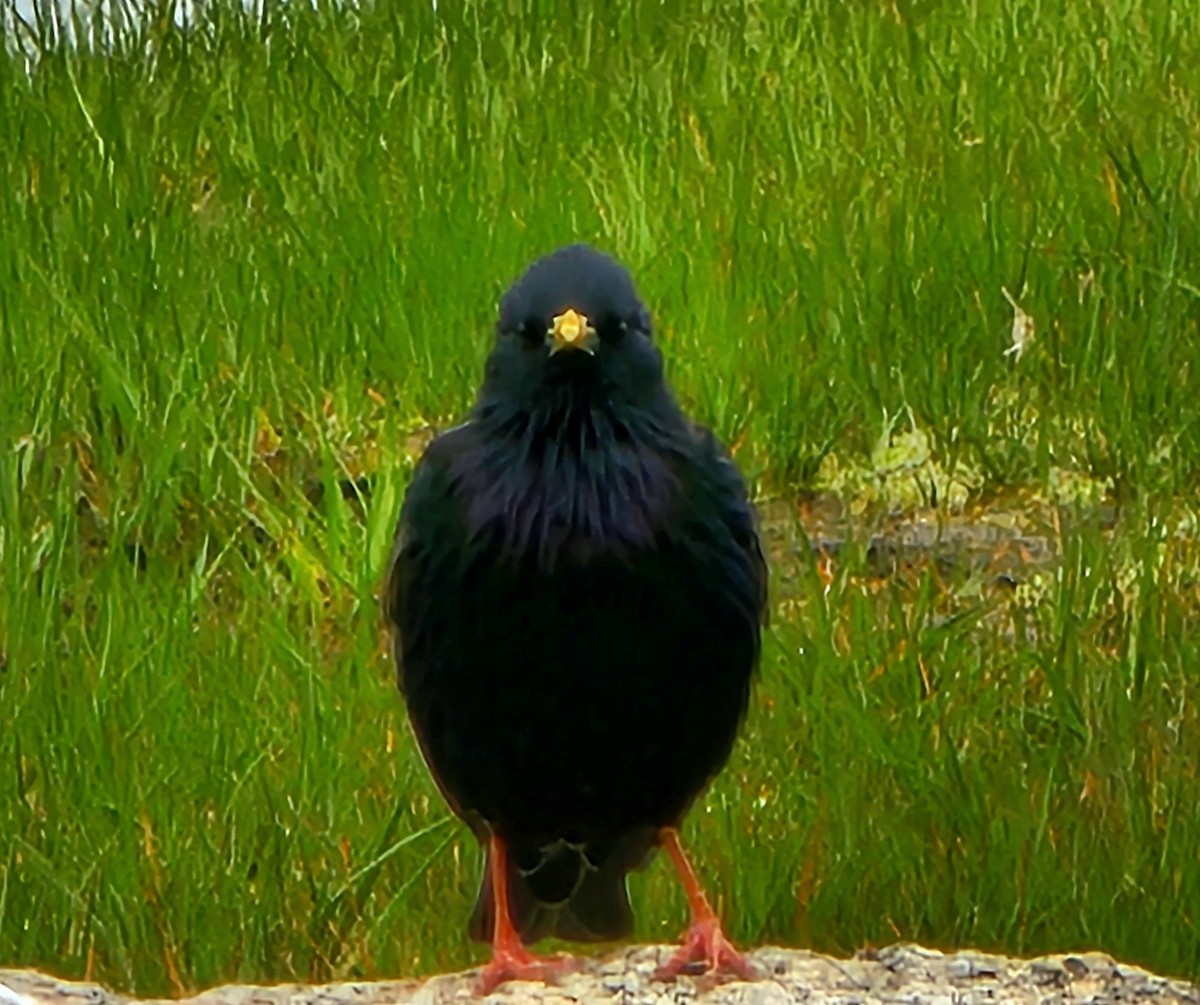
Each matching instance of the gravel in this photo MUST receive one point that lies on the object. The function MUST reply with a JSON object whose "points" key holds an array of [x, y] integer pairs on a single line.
{"points": [[903, 974]]}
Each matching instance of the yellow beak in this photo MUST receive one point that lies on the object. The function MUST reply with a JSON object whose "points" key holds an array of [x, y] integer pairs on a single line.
{"points": [[572, 331]]}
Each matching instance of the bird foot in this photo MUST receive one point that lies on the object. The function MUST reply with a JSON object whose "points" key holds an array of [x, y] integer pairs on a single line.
{"points": [[705, 950], [518, 964]]}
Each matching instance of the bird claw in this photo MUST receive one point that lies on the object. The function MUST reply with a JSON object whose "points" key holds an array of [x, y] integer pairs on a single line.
{"points": [[518, 964], [706, 950]]}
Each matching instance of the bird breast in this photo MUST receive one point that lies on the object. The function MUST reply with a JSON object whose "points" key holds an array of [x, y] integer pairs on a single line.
{"points": [[570, 499]]}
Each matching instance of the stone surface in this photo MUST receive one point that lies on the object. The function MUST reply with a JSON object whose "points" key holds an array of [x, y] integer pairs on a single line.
{"points": [[898, 975]]}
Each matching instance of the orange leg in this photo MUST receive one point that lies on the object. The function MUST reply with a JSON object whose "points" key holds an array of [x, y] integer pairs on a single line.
{"points": [[511, 961], [705, 943]]}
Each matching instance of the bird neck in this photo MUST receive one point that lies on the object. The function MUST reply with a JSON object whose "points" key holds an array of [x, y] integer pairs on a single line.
{"points": [[587, 418]]}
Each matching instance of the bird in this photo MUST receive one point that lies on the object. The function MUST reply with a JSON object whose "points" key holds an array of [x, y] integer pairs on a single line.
{"points": [[576, 597]]}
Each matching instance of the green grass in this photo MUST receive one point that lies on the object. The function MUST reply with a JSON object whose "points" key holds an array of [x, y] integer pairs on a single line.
{"points": [[245, 264]]}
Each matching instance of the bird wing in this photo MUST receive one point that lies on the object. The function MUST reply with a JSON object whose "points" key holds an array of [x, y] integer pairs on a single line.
{"points": [[740, 518], [429, 516], [427, 511]]}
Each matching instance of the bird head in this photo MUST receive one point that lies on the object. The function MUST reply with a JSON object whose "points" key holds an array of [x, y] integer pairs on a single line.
{"points": [[573, 328]]}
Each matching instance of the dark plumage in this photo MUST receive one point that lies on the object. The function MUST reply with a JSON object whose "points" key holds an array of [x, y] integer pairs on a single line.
{"points": [[576, 597]]}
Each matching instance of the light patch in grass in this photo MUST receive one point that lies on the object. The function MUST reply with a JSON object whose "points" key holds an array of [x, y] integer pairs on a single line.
{"points": [[902, 473]]}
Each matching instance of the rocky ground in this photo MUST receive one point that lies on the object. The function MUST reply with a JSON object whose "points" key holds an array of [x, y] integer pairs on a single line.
{"points": [[898, 975]]}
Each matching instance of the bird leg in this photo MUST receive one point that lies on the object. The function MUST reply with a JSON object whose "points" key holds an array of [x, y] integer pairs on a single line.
{"points": [[511, 961], [705, 948]]}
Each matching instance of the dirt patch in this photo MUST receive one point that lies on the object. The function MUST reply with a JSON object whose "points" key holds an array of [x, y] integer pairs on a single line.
{"points": [[898, 975], [1007, 539]]}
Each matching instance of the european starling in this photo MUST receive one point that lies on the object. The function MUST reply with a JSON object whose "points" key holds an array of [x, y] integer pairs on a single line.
{"points": [[576, 596]]}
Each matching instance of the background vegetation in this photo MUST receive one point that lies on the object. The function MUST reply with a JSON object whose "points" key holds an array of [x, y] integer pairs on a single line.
{"points": [[244, 266]]}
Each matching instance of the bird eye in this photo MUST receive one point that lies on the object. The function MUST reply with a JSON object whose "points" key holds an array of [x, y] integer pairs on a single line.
{"points": [[532, 330], [613, 329]]}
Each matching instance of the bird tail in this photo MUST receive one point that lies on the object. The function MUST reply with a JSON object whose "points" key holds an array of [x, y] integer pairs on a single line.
{"points": [[564, 890]]}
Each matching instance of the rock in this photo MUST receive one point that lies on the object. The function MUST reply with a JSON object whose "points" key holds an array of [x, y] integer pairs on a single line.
{"points": [[903, 974]]}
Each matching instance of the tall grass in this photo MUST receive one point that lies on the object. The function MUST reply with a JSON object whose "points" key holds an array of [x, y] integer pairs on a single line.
{"points": [[241, 266]]}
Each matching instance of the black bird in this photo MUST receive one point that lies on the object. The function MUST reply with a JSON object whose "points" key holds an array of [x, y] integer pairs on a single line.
{"points": [[576, 596]]}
